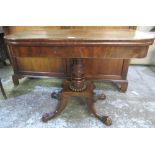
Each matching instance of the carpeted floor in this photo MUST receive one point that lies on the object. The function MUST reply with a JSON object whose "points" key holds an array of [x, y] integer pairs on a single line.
{"points": [[27, 102]]}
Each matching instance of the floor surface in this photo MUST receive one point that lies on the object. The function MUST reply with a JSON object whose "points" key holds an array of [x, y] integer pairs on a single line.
{"points": [[27, 102]]}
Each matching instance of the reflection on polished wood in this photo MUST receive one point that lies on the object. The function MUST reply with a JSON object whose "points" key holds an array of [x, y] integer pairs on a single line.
{"points": [[75, 36]]}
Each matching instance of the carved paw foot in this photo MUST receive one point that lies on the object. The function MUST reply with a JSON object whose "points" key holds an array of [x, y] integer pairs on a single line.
{"points": [[54, 95], [106, 120], [46, 117], [101, 97]]}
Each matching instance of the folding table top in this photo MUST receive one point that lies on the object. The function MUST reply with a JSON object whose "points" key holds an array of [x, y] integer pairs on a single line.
{"points": [[81, 35]]}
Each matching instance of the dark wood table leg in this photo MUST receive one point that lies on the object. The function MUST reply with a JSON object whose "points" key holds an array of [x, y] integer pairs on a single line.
{"points": [[15, 79], [2, 90], [105, 119], [77, 86], [60, 107], [122, 86]]}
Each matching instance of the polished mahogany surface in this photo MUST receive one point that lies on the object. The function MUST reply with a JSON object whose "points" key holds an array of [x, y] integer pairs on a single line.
{"points": [[80, 43], [79, 34], [48, 52]]}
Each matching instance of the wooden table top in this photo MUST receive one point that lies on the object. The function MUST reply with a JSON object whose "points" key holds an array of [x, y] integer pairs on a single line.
{"points": [[80, 35]]}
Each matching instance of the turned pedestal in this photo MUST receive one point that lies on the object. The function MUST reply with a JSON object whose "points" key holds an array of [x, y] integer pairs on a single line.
{"points": [[77, 86]]}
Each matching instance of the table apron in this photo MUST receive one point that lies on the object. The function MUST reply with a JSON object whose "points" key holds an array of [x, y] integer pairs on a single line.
{"points": [[117, 52]]}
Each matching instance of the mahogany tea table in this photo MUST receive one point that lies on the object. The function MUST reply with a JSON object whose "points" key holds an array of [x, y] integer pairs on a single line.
{"points": [[78, 45]]}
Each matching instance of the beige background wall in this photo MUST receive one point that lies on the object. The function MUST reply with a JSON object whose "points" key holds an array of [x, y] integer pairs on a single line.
{"points": [[150, 59]]}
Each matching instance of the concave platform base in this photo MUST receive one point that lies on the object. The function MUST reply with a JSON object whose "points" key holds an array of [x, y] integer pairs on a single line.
{"points": [[64, 95]]}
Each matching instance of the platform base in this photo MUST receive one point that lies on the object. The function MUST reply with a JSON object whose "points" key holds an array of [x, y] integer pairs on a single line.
{"points": [[64, 95]]}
